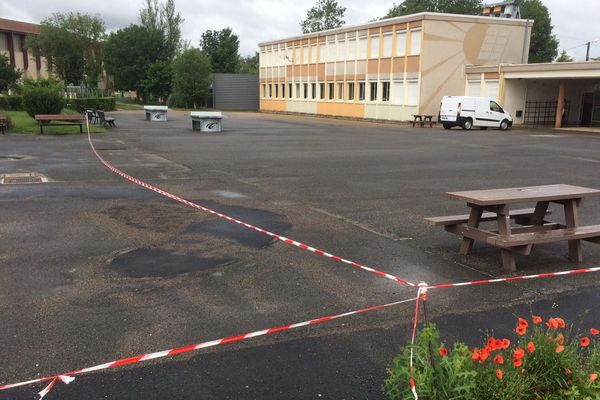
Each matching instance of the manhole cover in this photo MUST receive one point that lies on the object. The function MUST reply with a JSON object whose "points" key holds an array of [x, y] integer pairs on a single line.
{"points": [[22, 179]]}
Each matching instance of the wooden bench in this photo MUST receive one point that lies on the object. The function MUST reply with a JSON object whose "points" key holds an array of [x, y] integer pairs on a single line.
{"points": [[60, 119], [422, 119], [521, 215], [590, 233], [3, 123]]}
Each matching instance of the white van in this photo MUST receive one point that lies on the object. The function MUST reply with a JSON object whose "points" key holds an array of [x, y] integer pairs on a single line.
{"points": [[467, 112]]}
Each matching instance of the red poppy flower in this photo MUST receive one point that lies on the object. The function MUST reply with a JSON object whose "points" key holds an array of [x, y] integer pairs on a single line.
{"points": [[561, 322], [475, 354], [584, 341], [560, 338], [499, 374], [505, 343], [484, 354], [594, 331], [537, 319], [499, 359], [443, 351], [521, 330], [519, 352], [560, 349], [517, 362], [523, 323], [552, 323], [530, 347], [491, 342], [593, 377], [498, 344]]}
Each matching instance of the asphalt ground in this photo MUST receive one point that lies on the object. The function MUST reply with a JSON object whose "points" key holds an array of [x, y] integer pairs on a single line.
{"points": [[94, 268]]}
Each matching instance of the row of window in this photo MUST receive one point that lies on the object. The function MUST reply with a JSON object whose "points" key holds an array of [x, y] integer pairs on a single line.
{"points": [[384, 91], [342, 49]]}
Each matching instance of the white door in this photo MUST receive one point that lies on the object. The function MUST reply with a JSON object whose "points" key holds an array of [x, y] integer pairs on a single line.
{"points": [[496, 113], [483, 114]]}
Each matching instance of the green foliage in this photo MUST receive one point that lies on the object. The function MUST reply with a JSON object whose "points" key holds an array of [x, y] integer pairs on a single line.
{"points": [[43, 96], [162, 17], [544, 44], [468, 7], [158, 80], [191, 83], [8, 74], [326, 14], [222, 48], [96, 103], [564, 57], [128, 54], [11, 103], [248, 65], [72, 43]]}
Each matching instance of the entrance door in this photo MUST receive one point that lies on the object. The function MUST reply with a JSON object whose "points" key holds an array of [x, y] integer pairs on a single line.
{"points": [[587, 109]]}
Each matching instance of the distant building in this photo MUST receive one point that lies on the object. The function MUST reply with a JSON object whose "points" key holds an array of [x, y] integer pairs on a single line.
{"points": [[388, 69], [12, 45], [503, 9]]}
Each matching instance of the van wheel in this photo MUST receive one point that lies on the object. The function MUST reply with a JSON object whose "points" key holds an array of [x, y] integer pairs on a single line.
{"points": [[447, 126], [504, 125], [467, 124]]}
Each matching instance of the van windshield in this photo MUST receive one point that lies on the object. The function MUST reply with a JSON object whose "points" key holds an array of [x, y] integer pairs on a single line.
{"points": [[495, 107]]}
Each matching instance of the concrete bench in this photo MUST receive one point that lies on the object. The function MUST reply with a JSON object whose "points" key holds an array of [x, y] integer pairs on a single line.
{"points": [[156, 113], [206, 121]]}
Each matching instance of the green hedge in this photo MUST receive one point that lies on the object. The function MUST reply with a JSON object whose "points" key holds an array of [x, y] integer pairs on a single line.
{"points": [[11, 103], [99, 103], [43, 99]]}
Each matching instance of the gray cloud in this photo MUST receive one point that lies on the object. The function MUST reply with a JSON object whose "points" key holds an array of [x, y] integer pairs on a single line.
{"points": [[256, 21]]}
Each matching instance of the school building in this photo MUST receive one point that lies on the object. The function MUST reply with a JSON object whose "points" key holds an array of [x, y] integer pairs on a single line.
{"points": [[13, 36]]}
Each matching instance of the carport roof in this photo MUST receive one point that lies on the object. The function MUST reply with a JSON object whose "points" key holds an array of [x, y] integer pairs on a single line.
{"points": [[564, 70]]}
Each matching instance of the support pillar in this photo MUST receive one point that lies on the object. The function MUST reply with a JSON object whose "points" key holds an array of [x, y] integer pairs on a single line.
{"points": [[560, 105]]}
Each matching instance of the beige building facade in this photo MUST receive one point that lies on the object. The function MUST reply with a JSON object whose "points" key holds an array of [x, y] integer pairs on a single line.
{"points": [[13, 36], [389, 69]]}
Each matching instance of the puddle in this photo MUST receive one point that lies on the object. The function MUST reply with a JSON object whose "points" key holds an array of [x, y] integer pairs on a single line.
{"points": [[156, 263], [261, 218]]}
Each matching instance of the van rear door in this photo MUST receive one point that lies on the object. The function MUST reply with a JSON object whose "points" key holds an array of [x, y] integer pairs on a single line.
{"points": [[449, 108]]}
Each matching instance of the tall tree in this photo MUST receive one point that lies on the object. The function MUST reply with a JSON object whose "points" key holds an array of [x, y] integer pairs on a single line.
{"points": [[164, 18], [73, 44], [8, 74], [564, 57], [544, 44], [249, 64], [222, 49], [159, 78], [468, 7], [128, 54], [326, 14], [191, 83]]}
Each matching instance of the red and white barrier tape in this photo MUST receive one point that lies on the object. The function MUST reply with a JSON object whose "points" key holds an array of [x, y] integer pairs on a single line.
{"points": [[242, 223], [67, 377]]}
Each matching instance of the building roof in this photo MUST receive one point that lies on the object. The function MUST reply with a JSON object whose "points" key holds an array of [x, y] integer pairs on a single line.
{"points": [[408, 18], [575, 69], [9, 25]]}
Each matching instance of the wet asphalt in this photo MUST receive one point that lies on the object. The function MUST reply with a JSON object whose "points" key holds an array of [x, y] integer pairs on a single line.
{"points": [[94, 268]]}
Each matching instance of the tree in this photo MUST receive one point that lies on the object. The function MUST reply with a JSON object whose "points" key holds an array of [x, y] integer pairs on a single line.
{"points": [[326, 14], [468, 7], [564, 57], [164, 18], [191, 83], [158, 80], [128, 54], [222, 49], [8, 74], [72, 43], [248, 65], [544, 44]]}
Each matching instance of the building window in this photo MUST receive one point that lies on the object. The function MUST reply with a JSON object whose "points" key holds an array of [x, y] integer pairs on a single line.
{"points": [[493, 88], [276, 90], [322, 52], [264, 87], [361, 91], [313, 53], [297, 90], [400, 44], [290, 91], [350, 91], [415, 41], [305, 91], [373, 91], [341, 50], [412, 92], [385, 93], [474, 88], [313, 91], [362, 48], [352, 49], [270, 90], [322, 91], [330, 89], [331, 51], [304, 54], [340, 91], [387, 45], [296, 55], [398, 92], [283, 90], [374, 46]]}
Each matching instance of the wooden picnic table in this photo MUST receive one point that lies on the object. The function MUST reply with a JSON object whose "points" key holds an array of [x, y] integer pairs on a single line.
{"points": [[533, 226], [422, 118], [60, 119]]}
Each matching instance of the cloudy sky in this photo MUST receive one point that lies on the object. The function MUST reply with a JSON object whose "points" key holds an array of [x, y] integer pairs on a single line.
{"points": [[256, 21]]}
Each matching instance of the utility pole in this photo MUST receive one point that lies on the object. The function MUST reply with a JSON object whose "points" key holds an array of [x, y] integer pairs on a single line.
{"points": [[587, 53]]}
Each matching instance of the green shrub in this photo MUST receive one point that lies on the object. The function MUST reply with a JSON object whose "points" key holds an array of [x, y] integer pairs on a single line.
{"points": [[99, 103], [43, 96], [11, 103], [545, 361]]}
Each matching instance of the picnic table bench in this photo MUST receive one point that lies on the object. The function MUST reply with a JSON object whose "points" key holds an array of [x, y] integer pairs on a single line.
{"points": [[534, 228], [60, 119], [422, 118]]}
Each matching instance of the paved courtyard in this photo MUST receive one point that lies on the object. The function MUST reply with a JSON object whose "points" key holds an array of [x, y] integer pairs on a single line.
{"points": [[94, 268]]}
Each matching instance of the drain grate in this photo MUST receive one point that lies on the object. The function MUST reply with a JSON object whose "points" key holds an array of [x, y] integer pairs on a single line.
{"points": [[22, 179]]}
